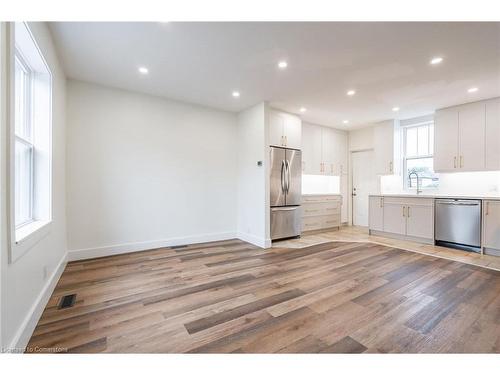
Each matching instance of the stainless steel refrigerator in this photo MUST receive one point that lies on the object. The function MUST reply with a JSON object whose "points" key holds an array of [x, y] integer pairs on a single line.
{"points": [[286, 192]]}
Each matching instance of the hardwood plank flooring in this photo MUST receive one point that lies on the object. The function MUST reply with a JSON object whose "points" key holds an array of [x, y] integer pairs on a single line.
{"points": [[230, 296]]}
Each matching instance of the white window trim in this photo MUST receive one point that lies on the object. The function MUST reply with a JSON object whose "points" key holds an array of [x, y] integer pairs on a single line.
{"points": [[26, 236], [414, 124]]}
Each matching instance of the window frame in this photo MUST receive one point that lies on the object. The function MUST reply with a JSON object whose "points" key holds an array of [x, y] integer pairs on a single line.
{"points": [[23, 238], [430, 124], [28, 128]]}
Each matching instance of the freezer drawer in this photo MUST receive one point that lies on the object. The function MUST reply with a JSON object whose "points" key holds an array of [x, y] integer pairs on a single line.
{"points": [[285, 222], [458, 222]]}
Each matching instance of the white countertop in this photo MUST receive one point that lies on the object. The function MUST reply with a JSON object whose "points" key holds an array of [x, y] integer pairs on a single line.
{"points": [[434, 196]]}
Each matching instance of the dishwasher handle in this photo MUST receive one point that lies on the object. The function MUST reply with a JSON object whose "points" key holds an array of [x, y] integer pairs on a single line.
{"points": [[458, 203]]}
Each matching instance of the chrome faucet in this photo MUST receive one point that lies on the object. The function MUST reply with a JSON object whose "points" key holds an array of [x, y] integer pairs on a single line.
{"points": [[418, 181]]}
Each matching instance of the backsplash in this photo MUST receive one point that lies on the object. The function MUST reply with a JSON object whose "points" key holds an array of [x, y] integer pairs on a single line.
{"points": [[315, 184], [465, 183]]}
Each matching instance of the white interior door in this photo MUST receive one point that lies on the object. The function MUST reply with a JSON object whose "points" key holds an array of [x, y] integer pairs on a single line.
{"points": [[364, 183]]}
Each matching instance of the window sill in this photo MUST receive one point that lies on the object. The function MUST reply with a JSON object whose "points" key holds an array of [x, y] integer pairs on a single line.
{"points": [[28, 236]]}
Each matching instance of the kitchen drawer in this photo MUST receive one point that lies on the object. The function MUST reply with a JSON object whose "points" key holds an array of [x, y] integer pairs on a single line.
{"points": [[312, 223], [331, 221], [320, 198], [321, 208]]}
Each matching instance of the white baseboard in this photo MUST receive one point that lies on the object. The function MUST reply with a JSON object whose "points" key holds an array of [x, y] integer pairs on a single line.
{"points": [[23, 335], [254, 240], [97, 252]]}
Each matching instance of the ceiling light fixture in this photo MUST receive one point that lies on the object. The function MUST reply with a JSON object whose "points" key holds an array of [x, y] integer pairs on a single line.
{"points": [[472, 89], [345, 121], [282, 64], [302, 109], [143, 70], [236, 94], [351, 92], [395, 109], [436, 60]]}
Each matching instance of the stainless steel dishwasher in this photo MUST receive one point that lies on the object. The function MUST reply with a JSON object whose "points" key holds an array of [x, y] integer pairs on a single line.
{"points": [[458, 223]]}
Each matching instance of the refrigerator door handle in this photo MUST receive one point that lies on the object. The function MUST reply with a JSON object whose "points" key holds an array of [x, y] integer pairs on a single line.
{"points": [[283, 171], [287, 173]]}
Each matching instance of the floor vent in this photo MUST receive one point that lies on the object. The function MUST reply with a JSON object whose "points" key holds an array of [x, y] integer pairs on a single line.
{"points": [[178, 247], [67, 301]]}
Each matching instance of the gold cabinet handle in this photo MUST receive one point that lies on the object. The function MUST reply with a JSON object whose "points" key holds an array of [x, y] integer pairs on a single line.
{"points": [[381, 202], [286, 140], [403, 211], [408, 211], [390, 167], [461, 161], [282, 141], [487, 208], [454, 162]]}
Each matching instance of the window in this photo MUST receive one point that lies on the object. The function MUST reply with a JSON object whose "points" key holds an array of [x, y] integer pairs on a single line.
{"points": [[23, 143], [418, 155], [31, 128]]}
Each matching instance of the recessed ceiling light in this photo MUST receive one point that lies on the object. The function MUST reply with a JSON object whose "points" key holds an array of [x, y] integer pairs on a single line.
{"points": [[143, 70], [436, 60], [282, 64], [395, 109], [472, 89], [236, 94], [302, 109], [345, 121], [351, 92]]}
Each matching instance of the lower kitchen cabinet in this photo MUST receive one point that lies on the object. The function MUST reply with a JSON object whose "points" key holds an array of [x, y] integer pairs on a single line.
{"points": [[405, 218], [491, 227], [321, 212], [376, 213], [394, 216], [420, 219]]}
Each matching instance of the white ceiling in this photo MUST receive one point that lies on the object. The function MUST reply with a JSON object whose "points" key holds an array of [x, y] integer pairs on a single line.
{"points": [[386, 63]]}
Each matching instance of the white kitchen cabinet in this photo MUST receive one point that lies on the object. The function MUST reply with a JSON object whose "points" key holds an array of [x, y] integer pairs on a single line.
{"points": [[340, 154], [321, 212], [293, 131], [471, 136], [327, 151], [459, 138], [285, 130], [420, 219], [446, 139], [324, 150], [311, 153], [386, 147], [491, 226], [344, 192], [492, 134], [394, 216], [376, 213], [406, 218]]}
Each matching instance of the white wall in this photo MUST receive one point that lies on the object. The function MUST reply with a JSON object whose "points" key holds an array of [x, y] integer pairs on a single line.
{"points": [[146, 172], [253, 180], [28, 282], [361, 139]]}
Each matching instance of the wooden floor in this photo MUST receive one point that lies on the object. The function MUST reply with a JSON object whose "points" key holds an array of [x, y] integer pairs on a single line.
{"points": [[334, 297]]}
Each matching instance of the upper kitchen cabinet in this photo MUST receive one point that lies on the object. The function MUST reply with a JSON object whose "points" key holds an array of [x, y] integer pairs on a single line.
{"points": [[467, 137], [386, 147], [471, 126], [324, 150], [446, 139], [311, 149], [492, 134], [285, 130]]}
